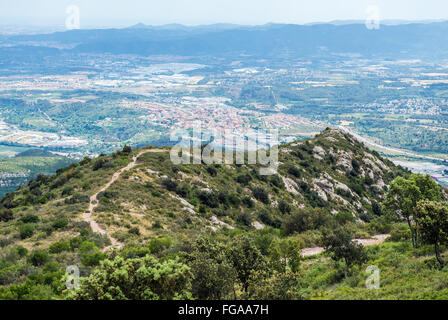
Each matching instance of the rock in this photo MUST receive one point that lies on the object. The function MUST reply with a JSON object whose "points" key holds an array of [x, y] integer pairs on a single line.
{"points": [[220, 223], [372, 164], [290, 185], [258, 225], [320, 151], [323, 183]]}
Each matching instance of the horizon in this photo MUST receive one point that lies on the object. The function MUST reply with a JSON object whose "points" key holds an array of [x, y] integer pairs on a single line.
{"points": [[52, 13], [12, 29]]}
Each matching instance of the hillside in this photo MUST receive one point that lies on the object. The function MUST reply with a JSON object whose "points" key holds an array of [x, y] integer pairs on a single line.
{"points": [[143, 197], [331, 171], [26, 165]]}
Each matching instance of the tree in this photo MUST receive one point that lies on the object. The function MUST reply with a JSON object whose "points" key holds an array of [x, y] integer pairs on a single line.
{"points": [[245, 259], [145, 278], [432, 218], [339, 243], [285, 254], [213, 275], [429, 189], [302, 220], [127, 149], [404, 194]]}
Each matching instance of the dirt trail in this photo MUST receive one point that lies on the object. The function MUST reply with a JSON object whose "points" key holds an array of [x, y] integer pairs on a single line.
{"points": [[87, 216], [378, 239]]}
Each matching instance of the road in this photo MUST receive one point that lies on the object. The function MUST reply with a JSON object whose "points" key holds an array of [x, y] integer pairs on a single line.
{"points": [[378, 239]]}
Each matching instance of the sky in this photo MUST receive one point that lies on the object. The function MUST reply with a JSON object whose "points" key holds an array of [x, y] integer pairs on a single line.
{"points": [[195, 12]]}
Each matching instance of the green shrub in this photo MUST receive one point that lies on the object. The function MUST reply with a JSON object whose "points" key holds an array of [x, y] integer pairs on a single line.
{"points": [[294, 171], [60, 223], [284, 207], [59, 247], [26, 231], [90, 255], [38, 258], [245, 218], [261, 195], [170, 184], [67, 190], [6, 215], [30, 218], [244, 179], [344, 217], [21, 251], [158, 245]]}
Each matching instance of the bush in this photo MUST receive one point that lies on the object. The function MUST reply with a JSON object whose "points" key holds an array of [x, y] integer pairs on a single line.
{"points": [[244, 179], [84, 161], [8, 201], [67, 190], [261, 195], [245, 218], [21, 251], [183, 191], [294, 171], [38, 258], [164, 280], [210, 199], [284, 207], [376, 209], [59, 247], [59, 182], [77, 198], [248, 202], [30, 218], [170, 184], [344, 217], [6, 215], [212, 171], [277, 181], [90, 254], [102, 163], [26, 231], [75, 242], [60, 223], [158, 245], [268, 218], [306, 219], [400, 235]]}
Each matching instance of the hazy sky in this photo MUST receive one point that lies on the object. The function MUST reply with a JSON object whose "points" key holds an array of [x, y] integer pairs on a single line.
{"points": [[193, 12]]}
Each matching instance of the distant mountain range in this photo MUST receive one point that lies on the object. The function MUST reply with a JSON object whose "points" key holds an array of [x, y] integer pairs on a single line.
{"points": [[407, 40]]}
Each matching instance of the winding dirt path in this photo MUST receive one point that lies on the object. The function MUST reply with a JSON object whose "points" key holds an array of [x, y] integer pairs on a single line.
{"points": [[87, 216], [378, 239]]}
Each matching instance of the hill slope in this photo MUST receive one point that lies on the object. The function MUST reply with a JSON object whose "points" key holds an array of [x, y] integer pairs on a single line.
{"points": [[332, 173]]}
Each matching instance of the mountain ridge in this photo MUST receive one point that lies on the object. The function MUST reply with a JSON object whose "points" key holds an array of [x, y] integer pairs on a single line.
{"points": [[407, 40], [331, 174]]}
